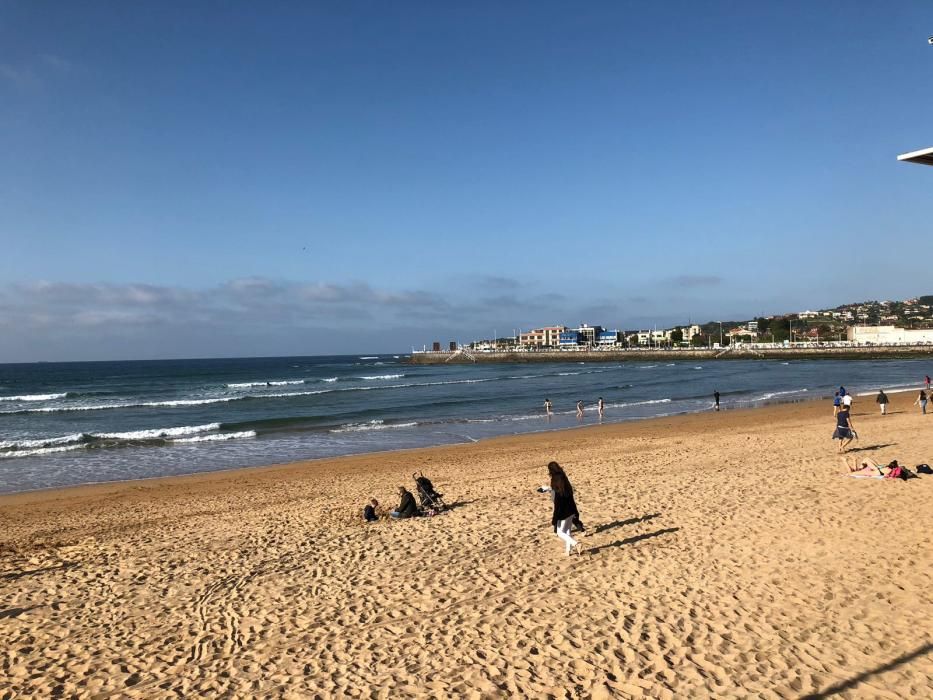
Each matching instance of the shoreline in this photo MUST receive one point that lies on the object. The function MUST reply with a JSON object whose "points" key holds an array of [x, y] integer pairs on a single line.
{"points": [[769, 403]]}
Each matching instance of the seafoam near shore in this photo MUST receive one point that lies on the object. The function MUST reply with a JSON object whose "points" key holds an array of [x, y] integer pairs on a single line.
{"points": [[728, 557]]}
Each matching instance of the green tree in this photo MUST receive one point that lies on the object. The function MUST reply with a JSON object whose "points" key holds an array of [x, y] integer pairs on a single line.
{"points": [[677, 336]]}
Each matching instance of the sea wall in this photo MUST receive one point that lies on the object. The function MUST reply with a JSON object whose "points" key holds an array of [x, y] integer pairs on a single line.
{"points": [[682, 354]]}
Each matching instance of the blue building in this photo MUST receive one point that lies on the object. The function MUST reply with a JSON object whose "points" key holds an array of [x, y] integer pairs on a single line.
{"points": [[569, 339], [607, 338]]}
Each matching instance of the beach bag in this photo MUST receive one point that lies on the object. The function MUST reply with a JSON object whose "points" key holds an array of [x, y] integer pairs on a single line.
{"points": [[924, 469]]}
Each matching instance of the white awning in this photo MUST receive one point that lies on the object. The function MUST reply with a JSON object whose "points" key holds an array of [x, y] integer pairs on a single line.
{"points": [[923, 156]]}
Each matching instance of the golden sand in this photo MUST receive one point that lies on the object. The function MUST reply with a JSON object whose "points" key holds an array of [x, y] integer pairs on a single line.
{"points": [[727, 557]]}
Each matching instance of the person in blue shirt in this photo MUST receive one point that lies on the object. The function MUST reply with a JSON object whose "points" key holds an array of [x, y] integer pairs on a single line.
{"points": [[836, 401]]}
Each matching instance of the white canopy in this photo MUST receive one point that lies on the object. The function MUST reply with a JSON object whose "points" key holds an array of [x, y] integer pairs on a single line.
{"points": [[923, 156]]}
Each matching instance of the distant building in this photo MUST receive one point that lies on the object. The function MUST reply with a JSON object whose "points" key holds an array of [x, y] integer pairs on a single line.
{"points": [[607, 338], [569, 339], [690, 332], [741, 332], [547, 337], [888, 334], [588, 333]]}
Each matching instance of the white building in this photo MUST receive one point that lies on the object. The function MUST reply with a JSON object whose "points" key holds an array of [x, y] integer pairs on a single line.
{"points": [[689, 332], [878, 335]]}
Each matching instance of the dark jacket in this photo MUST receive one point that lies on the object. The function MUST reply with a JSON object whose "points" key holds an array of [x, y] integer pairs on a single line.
{"points": [[564, 507], [407, 508], [882, 397]]}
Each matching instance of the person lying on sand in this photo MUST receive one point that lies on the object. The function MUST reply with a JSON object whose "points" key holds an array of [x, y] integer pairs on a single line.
{"points": [[864, 467]]}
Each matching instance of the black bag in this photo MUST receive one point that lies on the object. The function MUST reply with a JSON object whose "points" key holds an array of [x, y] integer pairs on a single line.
{"points": [[924, 469]]}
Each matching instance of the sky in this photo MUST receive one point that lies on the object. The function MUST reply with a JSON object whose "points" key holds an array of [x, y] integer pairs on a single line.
{"points": [[237, 179]]}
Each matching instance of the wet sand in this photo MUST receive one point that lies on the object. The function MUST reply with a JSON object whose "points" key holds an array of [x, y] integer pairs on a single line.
{"points": [[727, 556]]}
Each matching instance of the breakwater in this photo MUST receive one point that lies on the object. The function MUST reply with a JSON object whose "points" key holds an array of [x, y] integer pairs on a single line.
{"points": [[900, 352]]}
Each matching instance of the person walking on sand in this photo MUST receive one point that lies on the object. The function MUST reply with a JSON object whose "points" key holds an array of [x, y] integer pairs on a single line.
{"points": [[922, 402], [552, 469], [716, 399], [847, 401], [882, 400], [579, 409], [565, 508], [844, 431], [600, 405], [837, 402], [927, 380], [547, 408]]}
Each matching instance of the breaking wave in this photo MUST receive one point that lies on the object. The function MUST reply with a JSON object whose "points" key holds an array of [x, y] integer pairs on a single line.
{"points": [[154, 436], [35, 397]]}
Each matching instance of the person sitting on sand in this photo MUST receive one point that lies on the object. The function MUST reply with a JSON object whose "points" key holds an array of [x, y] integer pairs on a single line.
{"points": [[565, 508], [407, 508], [369, 512], [844, 431]]}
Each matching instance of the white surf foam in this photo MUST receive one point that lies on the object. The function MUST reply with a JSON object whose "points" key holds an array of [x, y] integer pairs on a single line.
{"points": [[772, 394], [372, 425], [41, 451], [41, 442], [218, 436], [382, 376], [894, 389], [278, 382], [34, 397], [159, 432], [637, 403], [189, 402]]}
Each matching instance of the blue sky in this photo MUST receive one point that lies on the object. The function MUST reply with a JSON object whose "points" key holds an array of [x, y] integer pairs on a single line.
{"points": [[221, 178]]}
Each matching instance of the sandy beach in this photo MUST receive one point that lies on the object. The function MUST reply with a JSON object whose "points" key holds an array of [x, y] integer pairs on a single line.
{"points": [[727, 556]]}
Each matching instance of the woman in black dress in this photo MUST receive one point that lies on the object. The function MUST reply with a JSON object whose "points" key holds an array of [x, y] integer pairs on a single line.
{"points": [[565, 508]]}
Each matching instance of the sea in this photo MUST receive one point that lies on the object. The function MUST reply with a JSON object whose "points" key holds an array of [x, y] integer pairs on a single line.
{"points": [[71, 423]]}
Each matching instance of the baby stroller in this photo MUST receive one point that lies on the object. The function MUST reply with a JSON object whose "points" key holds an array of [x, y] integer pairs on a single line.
{"points": [[430, 499]]}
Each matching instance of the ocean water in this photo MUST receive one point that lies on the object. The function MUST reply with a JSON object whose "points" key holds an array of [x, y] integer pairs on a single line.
{"points": [[73, 423]]}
